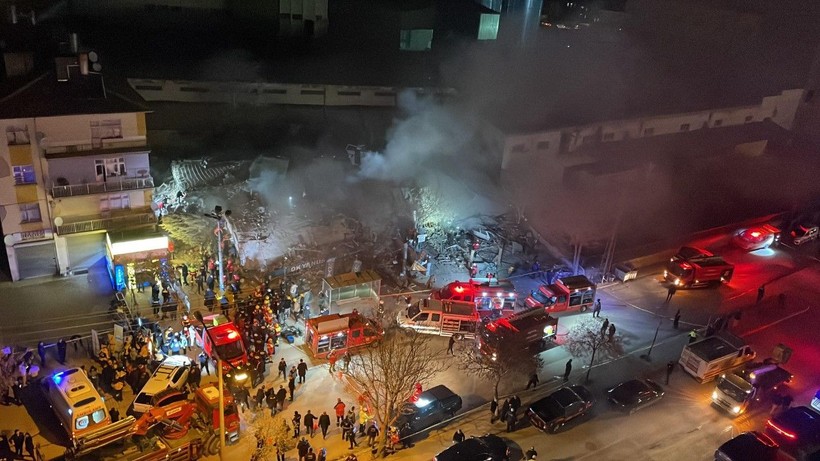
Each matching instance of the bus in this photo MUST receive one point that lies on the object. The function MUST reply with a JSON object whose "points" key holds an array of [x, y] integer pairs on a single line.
{"points": [[78, 406]]}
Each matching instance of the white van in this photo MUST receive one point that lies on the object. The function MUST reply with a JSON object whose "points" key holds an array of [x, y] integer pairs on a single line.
{"points": [[444, 318], [172, 373], [79, 407]]}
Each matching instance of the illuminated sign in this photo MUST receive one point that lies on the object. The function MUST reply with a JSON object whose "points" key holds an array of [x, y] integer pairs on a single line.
{"points": [[137, 246]]}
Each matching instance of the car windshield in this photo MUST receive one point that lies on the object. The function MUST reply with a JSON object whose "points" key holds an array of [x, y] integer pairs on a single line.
{"points": [[679, 270], [731, 389], [540, 297], [230, 351]]}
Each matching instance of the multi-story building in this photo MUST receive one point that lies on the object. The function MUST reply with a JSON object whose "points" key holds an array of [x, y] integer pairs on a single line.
{"points": [[74, 165]]}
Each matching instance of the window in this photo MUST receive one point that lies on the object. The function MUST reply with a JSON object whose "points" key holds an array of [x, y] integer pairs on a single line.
{"points": [[24, 174], [609, 136], [17, 135], [422, 317], [684, 127], [105, 129], [436, 318], [748, 119], [115, 202], [109, 168], [30, 212], [648, 131], [718, 122], [542, 145]]}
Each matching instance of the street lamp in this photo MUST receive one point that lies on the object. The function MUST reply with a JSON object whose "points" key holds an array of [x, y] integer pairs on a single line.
{"points": [[221, 382], [648, 353], [220, 221]]}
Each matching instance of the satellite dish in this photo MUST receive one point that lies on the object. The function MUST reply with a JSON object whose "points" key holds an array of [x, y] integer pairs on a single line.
{"points": [[96, 66], [58, 221], [93, 56], [9, 240]]}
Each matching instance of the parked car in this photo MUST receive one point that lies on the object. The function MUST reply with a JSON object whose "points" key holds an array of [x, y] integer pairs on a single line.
{"points": [[432, 406], [560, 407], [795, 426], [632, 395], [804, 233], [758, 237], [748, 445], [485, 448], [172, 373]]}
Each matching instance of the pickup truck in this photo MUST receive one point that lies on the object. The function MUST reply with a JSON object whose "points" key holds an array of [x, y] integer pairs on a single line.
{"points": [[560, 407], [736, 392]]}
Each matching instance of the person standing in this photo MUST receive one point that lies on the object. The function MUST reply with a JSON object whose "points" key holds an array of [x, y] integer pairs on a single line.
{"points": [[596, 311], [184, 270], [604, 326], [493, 409], [200, 282], [331, 358], [283, 368], [297, 424], [61, 351], [41, 351], [302, 448], [347, 426], [302, 370], [28, 442], [346, 360], [670, 367], [511, 421], [291, 387], [203, 363], [351, 437], [670, 292], [310, 455], [450, 345], [693, 336], [309, 419], [260, 397], [676, 320], [281, 394], [372, 433], [324, 423], [567, 370], [340, 411], [17, 439], [533, 382], [611, 331]]}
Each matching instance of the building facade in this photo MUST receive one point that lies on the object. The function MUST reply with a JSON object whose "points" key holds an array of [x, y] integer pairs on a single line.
{"points": [[70, 170]]}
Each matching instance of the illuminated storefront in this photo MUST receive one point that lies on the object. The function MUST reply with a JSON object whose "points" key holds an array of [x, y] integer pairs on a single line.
{"points": [[135, 257]]}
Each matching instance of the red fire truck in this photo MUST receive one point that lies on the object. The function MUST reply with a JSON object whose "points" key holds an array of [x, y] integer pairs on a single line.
{"points": [[227, 341], [566, 294], [692, 267], [532, 327], [488, 295], [340, 332]]}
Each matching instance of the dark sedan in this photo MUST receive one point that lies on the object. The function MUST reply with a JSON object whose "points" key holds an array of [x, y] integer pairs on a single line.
{"points": [[485, 448], [635, 394]]}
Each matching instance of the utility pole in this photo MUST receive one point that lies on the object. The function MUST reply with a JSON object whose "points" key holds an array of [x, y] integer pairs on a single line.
{"points": [[220, 221]]}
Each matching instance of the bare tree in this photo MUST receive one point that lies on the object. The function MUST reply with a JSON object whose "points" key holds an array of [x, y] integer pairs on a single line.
{"points": [[274, 433], [508, 360], [587, 338], [388, 374]]}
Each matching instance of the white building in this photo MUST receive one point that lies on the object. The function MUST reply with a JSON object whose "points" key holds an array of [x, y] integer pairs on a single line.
{"points": [[74, 165]]}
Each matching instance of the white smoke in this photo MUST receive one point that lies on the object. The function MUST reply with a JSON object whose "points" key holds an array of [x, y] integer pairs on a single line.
{"points": [[429, 135]]}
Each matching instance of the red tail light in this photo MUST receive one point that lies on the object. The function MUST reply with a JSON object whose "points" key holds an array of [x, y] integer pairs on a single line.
{"points": [[781, 431]]}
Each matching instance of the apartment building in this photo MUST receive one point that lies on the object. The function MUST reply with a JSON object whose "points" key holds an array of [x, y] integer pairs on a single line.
{"points": [[74, 166]]}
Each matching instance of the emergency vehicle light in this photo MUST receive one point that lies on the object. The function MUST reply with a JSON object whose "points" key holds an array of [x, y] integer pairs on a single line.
{"points": [[459, 289], [484, 293], [233, 334], [548, 329], [341, 333], [512, 294]]}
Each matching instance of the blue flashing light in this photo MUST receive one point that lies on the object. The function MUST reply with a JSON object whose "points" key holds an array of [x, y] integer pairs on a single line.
{"points": [[57, 377]]}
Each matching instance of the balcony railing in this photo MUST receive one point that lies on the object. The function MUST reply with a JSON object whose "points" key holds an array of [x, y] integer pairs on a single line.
{"points": [[114, 223], [72, 149], [102, 187]]}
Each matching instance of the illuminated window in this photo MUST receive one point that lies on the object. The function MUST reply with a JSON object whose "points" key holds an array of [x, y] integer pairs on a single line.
{"points": [[24, 174], [30, 212], [17, 135], [109, 168]]}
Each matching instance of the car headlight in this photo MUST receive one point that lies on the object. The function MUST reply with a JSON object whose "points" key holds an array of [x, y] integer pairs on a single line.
{"points": [[714, 395], [736, 409]]}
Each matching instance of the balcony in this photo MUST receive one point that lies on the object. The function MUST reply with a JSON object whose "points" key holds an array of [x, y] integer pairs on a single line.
{"points": [[105, 146], [102, 187], [113, 223]]}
